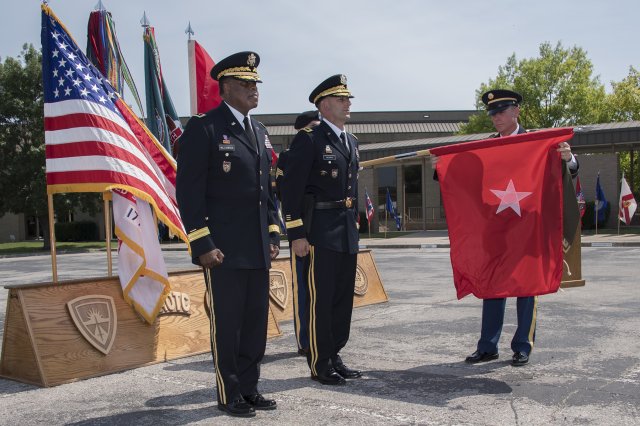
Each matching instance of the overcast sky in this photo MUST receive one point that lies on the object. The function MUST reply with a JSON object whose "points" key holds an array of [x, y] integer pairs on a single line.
{"points": [[398, 55]]}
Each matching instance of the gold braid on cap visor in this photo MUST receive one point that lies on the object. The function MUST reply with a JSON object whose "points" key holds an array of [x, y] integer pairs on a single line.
{"points": [[502, 99], [239, 72], [333, 91]]}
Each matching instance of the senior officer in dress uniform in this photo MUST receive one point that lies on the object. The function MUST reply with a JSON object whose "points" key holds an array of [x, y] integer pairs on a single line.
{"points": [[225, 198], [503, 106], [299, 265], [319, 192]]}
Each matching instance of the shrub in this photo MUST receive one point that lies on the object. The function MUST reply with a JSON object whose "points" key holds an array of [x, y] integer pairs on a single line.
{"points": [[76, 231]]}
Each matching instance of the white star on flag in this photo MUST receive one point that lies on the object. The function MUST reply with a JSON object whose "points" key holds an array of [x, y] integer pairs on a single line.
{"points": [[510, 198]]}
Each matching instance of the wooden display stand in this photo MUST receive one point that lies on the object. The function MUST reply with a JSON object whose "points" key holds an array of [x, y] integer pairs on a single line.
{"points": [[368, 291], [574, 260], [43, 345]]}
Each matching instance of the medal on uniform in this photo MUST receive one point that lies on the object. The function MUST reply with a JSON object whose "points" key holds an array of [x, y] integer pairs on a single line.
{"points": [[225, 140], [334, 173], [323, 172], [226, 166], [327, 150]]}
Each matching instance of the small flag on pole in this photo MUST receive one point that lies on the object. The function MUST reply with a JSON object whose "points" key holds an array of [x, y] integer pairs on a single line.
{"points": [[580, 198], [601, 202], [392, 210], [370, 210], [627, 205]]}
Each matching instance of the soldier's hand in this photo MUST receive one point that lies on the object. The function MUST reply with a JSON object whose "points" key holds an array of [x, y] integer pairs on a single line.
{"points": [[211, 258], [275, 250], [565, 151], [434, 161], [300, 247]]}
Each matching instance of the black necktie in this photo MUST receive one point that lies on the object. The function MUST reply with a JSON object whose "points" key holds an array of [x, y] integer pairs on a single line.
{"points": [[343, 138], [249, 131]]}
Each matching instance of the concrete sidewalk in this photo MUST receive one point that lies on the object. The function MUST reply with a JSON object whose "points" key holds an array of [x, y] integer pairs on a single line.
{"points": [[440, 239]]}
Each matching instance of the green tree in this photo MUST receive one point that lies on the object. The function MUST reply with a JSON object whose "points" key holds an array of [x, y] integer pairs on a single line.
{"points": [[623, 104], [22, 150], [558, 89]]}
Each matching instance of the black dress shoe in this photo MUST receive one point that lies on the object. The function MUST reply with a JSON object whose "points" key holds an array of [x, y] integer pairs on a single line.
{"points": [[478, 356], [347, 372], [259, 402], [519, 359], [238, 408], [303, 352], [330, 377]]}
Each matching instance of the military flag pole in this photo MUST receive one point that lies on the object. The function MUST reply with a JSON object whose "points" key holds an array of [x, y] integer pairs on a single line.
{"points": [[106, 196], [392, 158], [191, 57], [52, 240]]}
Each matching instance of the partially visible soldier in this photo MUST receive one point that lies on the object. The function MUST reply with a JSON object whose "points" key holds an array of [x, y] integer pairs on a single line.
{"points": [[224, 194], [320, 192], [299, 267]]}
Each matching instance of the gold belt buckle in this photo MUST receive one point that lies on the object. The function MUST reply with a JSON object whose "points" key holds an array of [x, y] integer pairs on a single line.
{"points": [[348, 203]]}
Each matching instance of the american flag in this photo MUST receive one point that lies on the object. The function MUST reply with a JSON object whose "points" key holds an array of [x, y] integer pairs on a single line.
{"points": [[94, 142]]}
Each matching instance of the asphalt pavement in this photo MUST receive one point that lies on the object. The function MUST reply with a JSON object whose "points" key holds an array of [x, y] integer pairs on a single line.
{"points": [[585, 367]]}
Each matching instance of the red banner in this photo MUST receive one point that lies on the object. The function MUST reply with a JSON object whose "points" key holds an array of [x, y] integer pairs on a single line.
{"points": [[503, 202], [207, 87]]}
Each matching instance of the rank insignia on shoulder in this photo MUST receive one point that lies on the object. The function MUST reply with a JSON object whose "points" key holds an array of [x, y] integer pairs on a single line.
{"points": [[307, 129], [199, 115], [327, 150]]}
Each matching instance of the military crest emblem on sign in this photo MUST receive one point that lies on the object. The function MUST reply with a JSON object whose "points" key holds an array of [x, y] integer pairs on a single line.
{"points": [[96, 319], [226, 166], [362, 285], [278, 288]]}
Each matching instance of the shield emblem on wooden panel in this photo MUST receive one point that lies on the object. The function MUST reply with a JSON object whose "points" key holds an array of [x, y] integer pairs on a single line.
{"points": [[278, 288], [361, 282], [96, 319]]}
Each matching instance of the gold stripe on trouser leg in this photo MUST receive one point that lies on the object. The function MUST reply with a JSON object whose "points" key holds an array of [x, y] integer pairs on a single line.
{"points": [[296, 308], [212, 330], [313, 348], [534, 318]]}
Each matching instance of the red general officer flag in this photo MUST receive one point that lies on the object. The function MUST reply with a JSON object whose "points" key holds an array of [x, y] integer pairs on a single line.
{"points": [[503, 201], [205, 94]]}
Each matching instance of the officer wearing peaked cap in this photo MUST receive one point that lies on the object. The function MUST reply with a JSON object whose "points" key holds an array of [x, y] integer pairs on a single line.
{"points": [[320, 192], [503, 106], [225, 197]]}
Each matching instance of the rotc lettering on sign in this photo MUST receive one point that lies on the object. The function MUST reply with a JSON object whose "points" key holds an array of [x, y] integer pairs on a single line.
{"points": [[176, 303]]}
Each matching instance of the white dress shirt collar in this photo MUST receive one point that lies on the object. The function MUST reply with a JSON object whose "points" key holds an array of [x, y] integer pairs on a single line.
{"points": [[237, 114]]}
